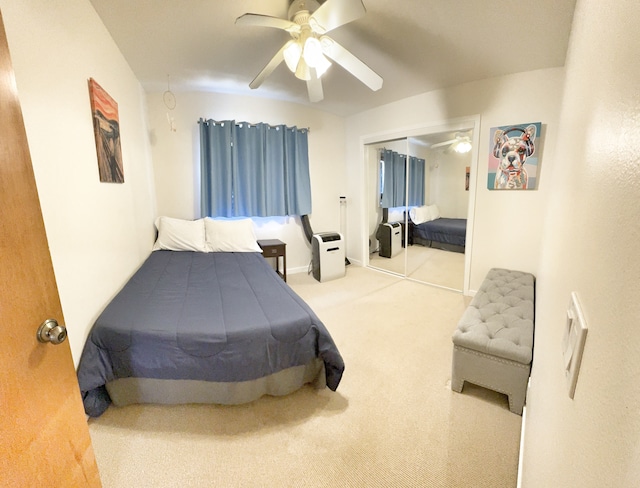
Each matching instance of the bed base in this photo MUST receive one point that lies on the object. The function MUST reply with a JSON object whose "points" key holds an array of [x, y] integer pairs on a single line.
{"points": [[127, 391], [437, 245]]}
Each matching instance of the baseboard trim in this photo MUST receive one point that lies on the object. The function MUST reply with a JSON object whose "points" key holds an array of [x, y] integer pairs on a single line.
{"points": [[299, 269], [522, 432]]}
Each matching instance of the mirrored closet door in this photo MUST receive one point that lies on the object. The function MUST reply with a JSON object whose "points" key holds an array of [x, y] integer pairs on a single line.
{"points": [[418, 200], [387, 205], [438, 226]]}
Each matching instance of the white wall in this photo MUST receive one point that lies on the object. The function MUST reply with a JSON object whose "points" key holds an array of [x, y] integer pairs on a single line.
{"points": [[422, 152], [374, 211], [176, 160], [590, 246], [508, 224], [447, 178], [98, 232]]}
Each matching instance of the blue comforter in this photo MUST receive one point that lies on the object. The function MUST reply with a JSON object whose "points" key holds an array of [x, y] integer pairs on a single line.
{"points": [[223, 317], [448, 231]]}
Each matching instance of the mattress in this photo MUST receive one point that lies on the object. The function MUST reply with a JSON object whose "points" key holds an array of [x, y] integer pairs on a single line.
{"points": [[448, 231], [219, 318]]}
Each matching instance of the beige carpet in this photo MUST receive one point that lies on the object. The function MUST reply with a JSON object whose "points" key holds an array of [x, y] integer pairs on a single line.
{"points": [[394, 422], [425, 264]]}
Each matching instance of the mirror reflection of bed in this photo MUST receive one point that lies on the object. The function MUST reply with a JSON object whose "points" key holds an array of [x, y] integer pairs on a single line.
{"points": [[436, 247], [437, 258]]}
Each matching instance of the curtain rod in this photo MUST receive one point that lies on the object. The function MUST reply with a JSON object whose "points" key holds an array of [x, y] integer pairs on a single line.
{"points": [[240, 124], [383, 149]]}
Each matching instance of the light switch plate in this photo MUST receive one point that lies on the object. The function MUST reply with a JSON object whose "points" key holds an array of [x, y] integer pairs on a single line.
{"points": [[575, 335]]}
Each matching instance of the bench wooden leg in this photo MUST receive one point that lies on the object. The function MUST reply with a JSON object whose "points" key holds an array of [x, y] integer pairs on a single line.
{"points": [[497, 374], [457, 384]]}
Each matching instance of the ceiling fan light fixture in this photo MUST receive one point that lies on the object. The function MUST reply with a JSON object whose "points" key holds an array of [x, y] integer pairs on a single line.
{"points": [[313, 56], [302, 70], [322, 66], [301, 59], [312, 52], [463, 147], [292, 54]]}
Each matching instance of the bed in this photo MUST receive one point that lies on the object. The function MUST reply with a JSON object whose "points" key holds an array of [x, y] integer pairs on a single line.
{"points": [[203, 326], [426, 227]]}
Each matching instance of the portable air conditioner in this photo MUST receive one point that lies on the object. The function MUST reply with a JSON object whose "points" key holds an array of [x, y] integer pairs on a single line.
{"points": [[328, 255], [390, 237]]}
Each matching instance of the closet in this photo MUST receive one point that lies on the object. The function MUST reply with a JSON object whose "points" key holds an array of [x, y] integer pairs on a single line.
{"points": [[415, 172]]}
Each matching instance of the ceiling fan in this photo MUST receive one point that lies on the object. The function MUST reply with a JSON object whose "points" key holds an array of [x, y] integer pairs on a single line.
{"points": [[309, 51], [461, 143]]}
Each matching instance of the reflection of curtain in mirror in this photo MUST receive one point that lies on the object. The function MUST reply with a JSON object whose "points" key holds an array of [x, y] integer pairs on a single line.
{"points": [[416, 182], [394, 171], [393, 181]]}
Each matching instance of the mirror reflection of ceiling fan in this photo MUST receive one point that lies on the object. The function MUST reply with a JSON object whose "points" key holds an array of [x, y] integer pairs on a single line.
{"points": [[460, 144], [309, 52]]}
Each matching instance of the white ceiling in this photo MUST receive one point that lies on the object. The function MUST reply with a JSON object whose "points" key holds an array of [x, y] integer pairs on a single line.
{"points": [[415, 45]]}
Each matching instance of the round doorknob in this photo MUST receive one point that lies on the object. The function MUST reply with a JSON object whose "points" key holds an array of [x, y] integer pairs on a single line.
{"points": [[51, 331]]}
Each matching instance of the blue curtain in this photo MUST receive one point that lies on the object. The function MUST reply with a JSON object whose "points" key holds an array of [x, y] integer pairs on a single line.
{"points": [[394, 180], [216, 170], [253, 170], [297, 178], [399, 179], [249, 162], [274, 171], [416, 182]]}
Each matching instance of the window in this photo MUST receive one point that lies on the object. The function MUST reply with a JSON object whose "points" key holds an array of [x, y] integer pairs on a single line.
{"points": [[253, 170]]}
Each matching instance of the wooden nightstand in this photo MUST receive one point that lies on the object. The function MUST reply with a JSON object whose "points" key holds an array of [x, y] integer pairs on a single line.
{"points": [[275, 248]]}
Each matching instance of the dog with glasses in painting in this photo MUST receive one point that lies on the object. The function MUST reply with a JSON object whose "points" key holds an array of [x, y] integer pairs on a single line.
{"points": [[512, 153]]}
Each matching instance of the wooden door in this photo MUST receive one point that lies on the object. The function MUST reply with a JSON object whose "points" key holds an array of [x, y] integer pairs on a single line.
{"points": [[44, 437]]}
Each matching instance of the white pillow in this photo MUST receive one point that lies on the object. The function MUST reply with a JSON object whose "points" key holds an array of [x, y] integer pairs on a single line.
{"points": [[230, 235], [420, 214], [412, 214], [426, 213], [180, 235]]}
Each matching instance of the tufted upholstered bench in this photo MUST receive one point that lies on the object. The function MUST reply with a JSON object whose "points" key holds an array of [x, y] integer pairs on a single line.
{"points": [[493, 343]]}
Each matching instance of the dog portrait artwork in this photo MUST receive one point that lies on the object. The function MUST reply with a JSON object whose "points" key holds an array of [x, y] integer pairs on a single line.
{"points": [[513, 150]]}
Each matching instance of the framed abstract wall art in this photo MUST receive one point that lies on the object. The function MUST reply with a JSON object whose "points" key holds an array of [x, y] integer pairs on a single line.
{"points": [[106, 128], [514, 156]]}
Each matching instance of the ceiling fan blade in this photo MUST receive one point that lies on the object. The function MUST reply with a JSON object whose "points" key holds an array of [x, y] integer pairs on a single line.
{"points": [[334, 13], [314, 87], [268, 69], [351, 63], [267, 21], [440, 144]]}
